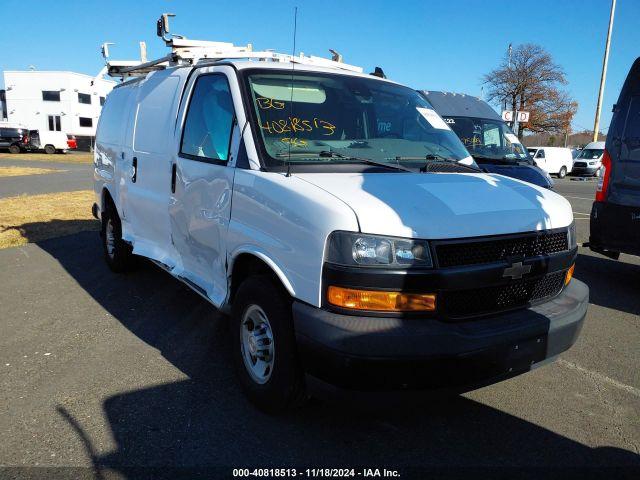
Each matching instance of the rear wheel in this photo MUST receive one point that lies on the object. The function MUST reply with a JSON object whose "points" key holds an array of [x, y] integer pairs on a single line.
{"points": [[49, 149], [117, 253], [14, 149], [563, 172], [264, 349]]}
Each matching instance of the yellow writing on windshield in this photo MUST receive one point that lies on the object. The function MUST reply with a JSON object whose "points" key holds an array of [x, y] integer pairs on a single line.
{"points": [[295, 124], [294, 141], [471, 141], [268, 103]]}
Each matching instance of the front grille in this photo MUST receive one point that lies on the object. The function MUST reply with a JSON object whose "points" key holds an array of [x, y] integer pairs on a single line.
{"points": [[580, 164], [495, 250], [519, 293]]}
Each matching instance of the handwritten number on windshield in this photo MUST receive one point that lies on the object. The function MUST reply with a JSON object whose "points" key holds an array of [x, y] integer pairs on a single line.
{"points": [[295, 124]]}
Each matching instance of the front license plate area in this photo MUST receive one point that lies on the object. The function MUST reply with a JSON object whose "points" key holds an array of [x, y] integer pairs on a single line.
{"points": [[523, 355]]}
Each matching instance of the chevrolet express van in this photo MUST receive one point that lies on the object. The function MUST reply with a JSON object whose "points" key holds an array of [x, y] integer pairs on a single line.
{"points": [[615, 214], [347, 255], [487, 137]]}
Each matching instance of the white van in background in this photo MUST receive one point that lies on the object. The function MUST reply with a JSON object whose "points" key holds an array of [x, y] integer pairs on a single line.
{"points": [[51, 142], [589, 160], [553, 160]]}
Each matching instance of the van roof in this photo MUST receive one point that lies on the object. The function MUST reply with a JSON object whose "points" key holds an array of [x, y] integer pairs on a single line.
{"points": [[449, 104], [280, 66], [289, 66]]}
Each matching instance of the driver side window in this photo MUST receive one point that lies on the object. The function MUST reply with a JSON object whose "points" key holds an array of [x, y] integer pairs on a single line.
{"points": [[209, 123]]}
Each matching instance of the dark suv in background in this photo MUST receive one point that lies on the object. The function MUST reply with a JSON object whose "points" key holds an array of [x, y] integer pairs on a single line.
{"points": [[615, 215], [15, 139]]}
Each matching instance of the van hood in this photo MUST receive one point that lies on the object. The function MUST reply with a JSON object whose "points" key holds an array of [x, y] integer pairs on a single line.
{"points": [[444, 205]]}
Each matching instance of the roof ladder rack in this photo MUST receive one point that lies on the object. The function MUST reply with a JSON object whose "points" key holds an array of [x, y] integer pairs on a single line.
{"points": [[191, 52]]}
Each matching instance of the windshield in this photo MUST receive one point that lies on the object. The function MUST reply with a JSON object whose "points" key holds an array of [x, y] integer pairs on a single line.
{"points": [[330, 118], [490, 139], [590, 154]]}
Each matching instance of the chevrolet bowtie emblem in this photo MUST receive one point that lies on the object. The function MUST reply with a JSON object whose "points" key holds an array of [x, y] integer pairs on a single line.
{"points": [[517, 270]]}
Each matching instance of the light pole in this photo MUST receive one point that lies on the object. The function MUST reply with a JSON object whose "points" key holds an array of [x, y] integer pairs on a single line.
{"points": [[596, 125]]}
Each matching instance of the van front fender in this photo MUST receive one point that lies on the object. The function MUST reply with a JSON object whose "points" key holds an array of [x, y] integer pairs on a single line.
{"points": [[264, 256]]}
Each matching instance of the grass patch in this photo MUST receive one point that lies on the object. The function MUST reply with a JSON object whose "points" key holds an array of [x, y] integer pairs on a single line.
{"points": [[56, 157], [31, 218], [21, 171]]}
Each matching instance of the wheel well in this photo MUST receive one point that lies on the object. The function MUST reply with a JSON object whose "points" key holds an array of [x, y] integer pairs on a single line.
{"points": [[248, 265], [107, 200]]}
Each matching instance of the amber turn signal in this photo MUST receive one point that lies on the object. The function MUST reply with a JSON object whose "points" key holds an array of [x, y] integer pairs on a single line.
{"points": [[569, 275], [381, 300]]}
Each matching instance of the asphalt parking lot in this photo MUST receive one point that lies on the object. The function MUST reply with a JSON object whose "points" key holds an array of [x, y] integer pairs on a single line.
{"points": [[71, 176], [113, 372]]}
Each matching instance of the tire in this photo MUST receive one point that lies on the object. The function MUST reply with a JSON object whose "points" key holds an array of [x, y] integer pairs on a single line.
{"points": [[563, 172], [117, 253], [276, 382], [14, 149], [49, 149]]}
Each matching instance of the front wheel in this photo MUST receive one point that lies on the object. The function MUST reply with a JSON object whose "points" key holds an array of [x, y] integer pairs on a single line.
{"points": [[264, 350], [14, 149], [563, 172]]}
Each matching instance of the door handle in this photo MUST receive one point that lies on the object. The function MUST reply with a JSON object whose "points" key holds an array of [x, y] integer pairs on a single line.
{"points": [[134, 169], [173, 178]]}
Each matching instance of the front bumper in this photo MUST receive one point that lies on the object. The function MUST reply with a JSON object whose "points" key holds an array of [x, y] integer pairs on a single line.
{"points": [[381, 353], [584, 170]]}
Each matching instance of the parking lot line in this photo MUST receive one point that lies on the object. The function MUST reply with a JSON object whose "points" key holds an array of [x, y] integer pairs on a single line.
{"points": [[580, 213], [579, 198], [599, 377]]}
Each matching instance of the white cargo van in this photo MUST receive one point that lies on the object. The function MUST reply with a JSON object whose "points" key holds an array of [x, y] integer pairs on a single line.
{"points": [[554, 160], [54, 142], [589, 160], [51, 141], [346, 256]]}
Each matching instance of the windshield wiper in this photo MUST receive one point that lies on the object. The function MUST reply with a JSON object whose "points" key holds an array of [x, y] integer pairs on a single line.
{"points": [[433, 156], [503, 160], [331, 154]]}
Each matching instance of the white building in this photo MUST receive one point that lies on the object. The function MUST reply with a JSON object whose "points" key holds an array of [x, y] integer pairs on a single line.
{"points": [[57, 101]]}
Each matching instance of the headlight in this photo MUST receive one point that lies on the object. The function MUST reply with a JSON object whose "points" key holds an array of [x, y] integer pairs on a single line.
{"points": [[348, 248], [571, 236], [592, 163]]}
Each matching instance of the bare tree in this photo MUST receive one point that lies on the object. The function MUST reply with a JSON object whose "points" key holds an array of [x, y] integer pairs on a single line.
{"points": [[530, 80]]}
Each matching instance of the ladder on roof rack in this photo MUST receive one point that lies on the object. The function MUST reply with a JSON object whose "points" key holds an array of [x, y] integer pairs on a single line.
{"points": [[185, 51]]}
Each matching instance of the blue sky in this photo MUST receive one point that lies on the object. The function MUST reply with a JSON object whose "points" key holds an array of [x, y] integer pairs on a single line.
{"points": [[437, 45]]}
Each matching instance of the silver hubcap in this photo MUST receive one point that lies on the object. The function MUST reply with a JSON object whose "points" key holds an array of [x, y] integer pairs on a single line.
{"points": [[256, 342], [110, 239]]}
